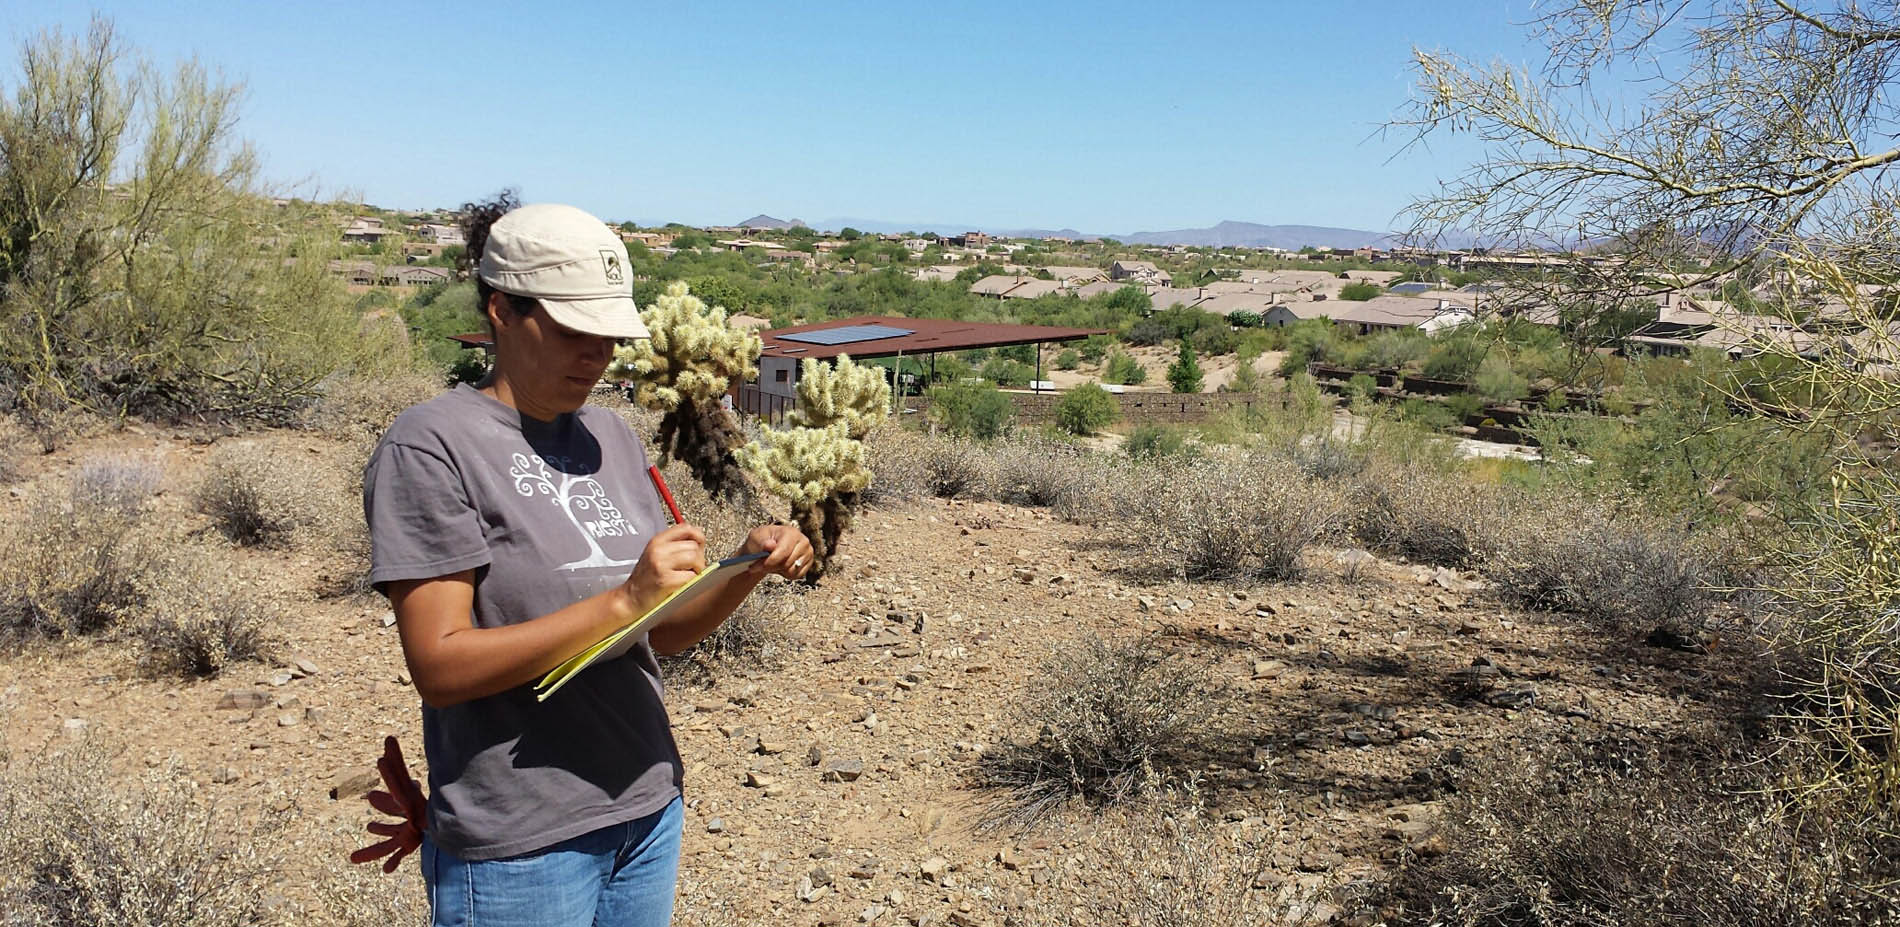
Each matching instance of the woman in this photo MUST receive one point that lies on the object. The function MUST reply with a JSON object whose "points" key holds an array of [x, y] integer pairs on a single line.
{"points": [[511, 526]]}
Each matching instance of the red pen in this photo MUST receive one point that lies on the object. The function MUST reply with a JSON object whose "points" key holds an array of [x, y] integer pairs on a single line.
{"points": [[659, 483]]}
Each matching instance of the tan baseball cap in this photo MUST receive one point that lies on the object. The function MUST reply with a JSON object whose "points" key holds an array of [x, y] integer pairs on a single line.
{"points": [[570, 261]]}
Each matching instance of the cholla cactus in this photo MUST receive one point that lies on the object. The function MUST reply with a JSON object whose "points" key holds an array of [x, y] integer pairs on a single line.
{"points": [[856, 396], [692, 358], [820, 471]]}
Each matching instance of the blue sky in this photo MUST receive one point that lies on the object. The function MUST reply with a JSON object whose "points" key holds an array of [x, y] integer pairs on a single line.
{"points": [[1106, 117]]}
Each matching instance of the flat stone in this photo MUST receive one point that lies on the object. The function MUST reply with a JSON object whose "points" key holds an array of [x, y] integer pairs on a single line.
{"points": [[844, 771], [244, 699], [1268, 669], [758, 780], [224, 775], [933, 869], [354, 782], [716, 826], [304, 666], [289, 718]]}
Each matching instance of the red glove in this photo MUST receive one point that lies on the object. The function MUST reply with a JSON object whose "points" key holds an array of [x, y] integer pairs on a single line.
{"points": [[403, 800]]}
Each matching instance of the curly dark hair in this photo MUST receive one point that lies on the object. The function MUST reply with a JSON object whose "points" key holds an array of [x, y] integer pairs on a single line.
{"points": [[476, 219]]}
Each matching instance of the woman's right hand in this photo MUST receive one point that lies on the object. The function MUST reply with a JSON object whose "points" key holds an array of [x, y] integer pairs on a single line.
{"points": [[671, 559]]}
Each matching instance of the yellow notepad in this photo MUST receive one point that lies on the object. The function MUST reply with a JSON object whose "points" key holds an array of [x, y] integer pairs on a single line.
{"points": [[709, 580]]}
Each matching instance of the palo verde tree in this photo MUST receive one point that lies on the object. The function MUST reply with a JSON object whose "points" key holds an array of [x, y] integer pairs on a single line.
{"points": [[693, 357], [142, 269], [1759, 148], [818, 464]]}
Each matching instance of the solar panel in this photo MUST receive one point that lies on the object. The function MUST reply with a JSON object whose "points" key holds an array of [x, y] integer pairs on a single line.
{"points": [[846, 334]]}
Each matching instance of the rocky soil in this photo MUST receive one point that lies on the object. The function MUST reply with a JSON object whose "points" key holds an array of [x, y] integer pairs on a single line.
{"points": [[833, 787]]}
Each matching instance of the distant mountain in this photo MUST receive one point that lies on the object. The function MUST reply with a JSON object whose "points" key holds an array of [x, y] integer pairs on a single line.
{"points": [[1231, 234], [763, 221]]}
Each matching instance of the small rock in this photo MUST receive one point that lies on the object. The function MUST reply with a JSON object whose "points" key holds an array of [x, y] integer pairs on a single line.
{"points": [[389, 619], [1008, 859], [224, 775], [304, 666], [770, 747], [716, 826], [354, 783], [1268, 669], [244, 699], [933, 869], [844, 771], [280, 678], [76, 727], [1145, 603], [819, 875], [1511, 698], [872, 913], [1358, 738], [758, 780], [289, 718]]}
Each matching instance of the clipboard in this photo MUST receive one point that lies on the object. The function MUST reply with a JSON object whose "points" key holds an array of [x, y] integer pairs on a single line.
{"points": [[708, 581]]}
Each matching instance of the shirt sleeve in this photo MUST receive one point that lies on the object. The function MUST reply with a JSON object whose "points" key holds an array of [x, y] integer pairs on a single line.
{"points": [[421, 521]]}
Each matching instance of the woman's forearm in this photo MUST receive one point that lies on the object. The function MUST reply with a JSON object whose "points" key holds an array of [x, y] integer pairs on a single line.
{"points": [[466, 663]]}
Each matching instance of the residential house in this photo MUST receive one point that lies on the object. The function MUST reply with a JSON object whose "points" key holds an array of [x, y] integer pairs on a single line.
{"points": [[442, 235], [937, 273], [1394, 313], [976, 240], [1075, 276], [997, 285], [1163, 297], [1224, 304], [916, 245], [365, 230], [1030, 289], [1144, 272]]}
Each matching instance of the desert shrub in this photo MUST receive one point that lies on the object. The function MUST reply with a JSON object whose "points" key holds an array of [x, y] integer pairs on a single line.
{"points": [[1095, 347], [1169, 863], [897, 475], [1617, 573], [1148, 332], [972, 410], [1086, 409], [1036, 472], [1220, 519], [1455, 357], [79, 847], [753, 639], [1124, 370], [198, 619], [361, 404], [1424, 517], [1362, 385], [1108, 721], [1068, 360], [185, 293], [1498, 383], [1214, 341], [1326, 458], [72, 567], [1360, 291], [120, 484], [1147, 442], [1395, 350], [1427, 414], [1311, 341], [257, 497], [1184, 375], [1463, 406], [956, 469], [1582, 840]]}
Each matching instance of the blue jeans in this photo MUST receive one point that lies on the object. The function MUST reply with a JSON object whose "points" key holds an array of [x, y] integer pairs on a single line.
{"points": [[621, 875]]}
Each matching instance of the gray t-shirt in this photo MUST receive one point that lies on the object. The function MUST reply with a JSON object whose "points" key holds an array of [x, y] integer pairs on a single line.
{"points": [[546, 514]]}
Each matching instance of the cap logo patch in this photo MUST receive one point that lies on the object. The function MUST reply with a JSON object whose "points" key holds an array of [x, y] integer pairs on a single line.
{"points": [[610, 265]]}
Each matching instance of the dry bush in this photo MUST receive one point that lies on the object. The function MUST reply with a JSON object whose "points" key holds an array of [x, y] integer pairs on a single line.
{"points": [[71, 568], [355, 405], [79, 847], [199, 618], [360, 895], [116, 482], [1617, 573], [897, 473], [1037, 473], [1426, 518], [1219, 519], [1326, 458], [754, 638], [15, 444], [1635, 840], [1172, 865], [260, 497], [950, 468], [1113, 720]]}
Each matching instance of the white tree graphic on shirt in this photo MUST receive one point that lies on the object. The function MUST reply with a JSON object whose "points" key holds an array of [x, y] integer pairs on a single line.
{"points": [[577, 495]]}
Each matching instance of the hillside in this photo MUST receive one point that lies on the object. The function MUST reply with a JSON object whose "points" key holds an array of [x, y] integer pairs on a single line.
{"points": [[830, 772]]}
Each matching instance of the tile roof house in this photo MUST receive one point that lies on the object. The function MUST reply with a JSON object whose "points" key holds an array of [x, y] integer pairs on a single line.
{"points": [[997, 285], [1165, 296], [1030, 289], [1140, 272], [1076, 276], [1392, 313]]}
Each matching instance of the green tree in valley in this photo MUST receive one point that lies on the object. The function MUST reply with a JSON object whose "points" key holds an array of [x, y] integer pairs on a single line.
{"points": [[1184, 375]]}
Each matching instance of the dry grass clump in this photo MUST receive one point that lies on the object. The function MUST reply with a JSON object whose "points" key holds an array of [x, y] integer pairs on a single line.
{"points": [[1251, 517], [258, 497], [1037, 473], [80, 847], [896, 476], [1112, 720], [1426, 518], [118, 483], [955, 468], [1176, 866], [72, 567], [1617, 573], [1636, 841], [199, 619]]}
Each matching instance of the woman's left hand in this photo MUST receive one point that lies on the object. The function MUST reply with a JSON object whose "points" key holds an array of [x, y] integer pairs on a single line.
{"points": [[788, 551]]}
